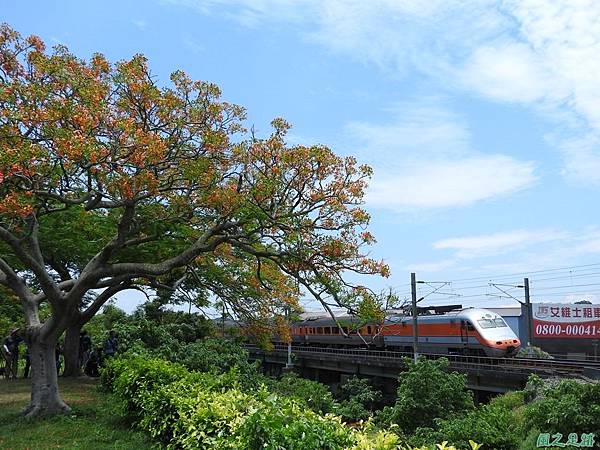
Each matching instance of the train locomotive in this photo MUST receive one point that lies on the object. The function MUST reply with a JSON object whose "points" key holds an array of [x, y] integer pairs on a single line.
{"points": [[468, 331]]}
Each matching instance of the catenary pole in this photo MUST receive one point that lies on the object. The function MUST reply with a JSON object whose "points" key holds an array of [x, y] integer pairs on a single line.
{"points": [[528, 312], [413, 288]]}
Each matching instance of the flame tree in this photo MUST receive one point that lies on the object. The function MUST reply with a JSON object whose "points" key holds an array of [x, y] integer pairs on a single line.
{"points": [[109, 181]]}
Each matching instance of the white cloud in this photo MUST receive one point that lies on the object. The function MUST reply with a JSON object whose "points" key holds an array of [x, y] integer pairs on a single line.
{"points": [[498, 243], [508, 72], [541, 53], [423, 159], [516, 251], [443, 184], [140, 24]]}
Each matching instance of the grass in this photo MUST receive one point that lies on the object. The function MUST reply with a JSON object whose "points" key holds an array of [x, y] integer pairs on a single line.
{"points": [[91, 425]]}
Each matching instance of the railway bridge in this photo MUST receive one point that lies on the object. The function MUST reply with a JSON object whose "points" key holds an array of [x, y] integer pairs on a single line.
{"points": [[484, 374]]}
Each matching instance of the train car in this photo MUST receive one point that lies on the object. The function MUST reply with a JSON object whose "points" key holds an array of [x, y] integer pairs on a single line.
{"points": [[470, 331], [326, 332]]}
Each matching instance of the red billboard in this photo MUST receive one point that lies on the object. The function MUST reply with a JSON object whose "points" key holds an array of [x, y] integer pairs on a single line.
{"points": [[566, 320]]}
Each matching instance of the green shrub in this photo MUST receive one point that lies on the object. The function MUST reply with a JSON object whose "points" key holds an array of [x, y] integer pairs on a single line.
{"points": [[533, 352], [281, 423], [214, 355], [568, 407], [498, 424], [492, 424], [203, 410], [138, 377], [427, 391], [376, 440], [357, 399], [163, 405], [314, 395], [211, 420]]}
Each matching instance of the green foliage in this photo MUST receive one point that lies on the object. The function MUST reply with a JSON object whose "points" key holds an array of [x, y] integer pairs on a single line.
{"points": [[378, 440], [426, 391], [281, 423], [314, 395], [533, 352], [186, 410], [568, 407], [357, 399], [493, 424], [132, 380], [214, 355], [11, 313]]}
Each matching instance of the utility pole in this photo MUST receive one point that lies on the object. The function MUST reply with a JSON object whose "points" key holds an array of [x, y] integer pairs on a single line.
{"points": [[413, 288], [223, 319], [528, 312], [289, 365]]}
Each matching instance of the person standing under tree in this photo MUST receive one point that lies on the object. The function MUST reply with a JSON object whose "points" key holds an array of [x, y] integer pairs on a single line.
{"points": [[111, 346], [85, 348], [10, 351]]}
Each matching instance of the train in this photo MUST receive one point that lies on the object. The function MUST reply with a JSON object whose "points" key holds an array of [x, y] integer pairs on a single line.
{"points": [[468, 331]]}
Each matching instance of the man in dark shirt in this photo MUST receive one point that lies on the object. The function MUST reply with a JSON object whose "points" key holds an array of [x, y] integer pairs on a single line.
{"points": [[10, 350], [85, 348], [111, 346]]}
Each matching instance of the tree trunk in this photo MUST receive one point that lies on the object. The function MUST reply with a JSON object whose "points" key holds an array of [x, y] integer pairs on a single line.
{"points": [[71, 351], [45, 398]]}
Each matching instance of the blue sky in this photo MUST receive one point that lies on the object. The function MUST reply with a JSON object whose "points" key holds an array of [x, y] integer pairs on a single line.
{"points": [[480, 118]]}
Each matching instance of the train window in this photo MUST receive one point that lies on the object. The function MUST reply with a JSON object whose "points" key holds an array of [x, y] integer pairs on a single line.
{"points": [[345, 329], [319, 330], [335, 330], [369, 329], [470, 326], [486, 323], [327, 330], [500, 323]]}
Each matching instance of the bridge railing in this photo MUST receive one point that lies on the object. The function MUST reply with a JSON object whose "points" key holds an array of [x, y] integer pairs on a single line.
{"points": [[465, 362]]}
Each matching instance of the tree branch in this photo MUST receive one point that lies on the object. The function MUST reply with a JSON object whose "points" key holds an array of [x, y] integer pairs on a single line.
{"points": [[102, 298], [46, 282]]}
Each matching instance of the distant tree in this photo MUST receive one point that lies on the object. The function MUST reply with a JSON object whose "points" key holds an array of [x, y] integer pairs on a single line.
{"points": [[160, 179], [357, 399], [427, 391], [11, 313], [313, 394]]}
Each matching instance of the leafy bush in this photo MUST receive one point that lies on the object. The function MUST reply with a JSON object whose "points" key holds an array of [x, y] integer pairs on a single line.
{"points": [[209, 419], [493, 424], [357, 399], [281, 423], [134, 379], [314, 395], [533, 352], [214, 355], [191, 410], [568, 407], [426, 391], [379, 440], [185, 410]]}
